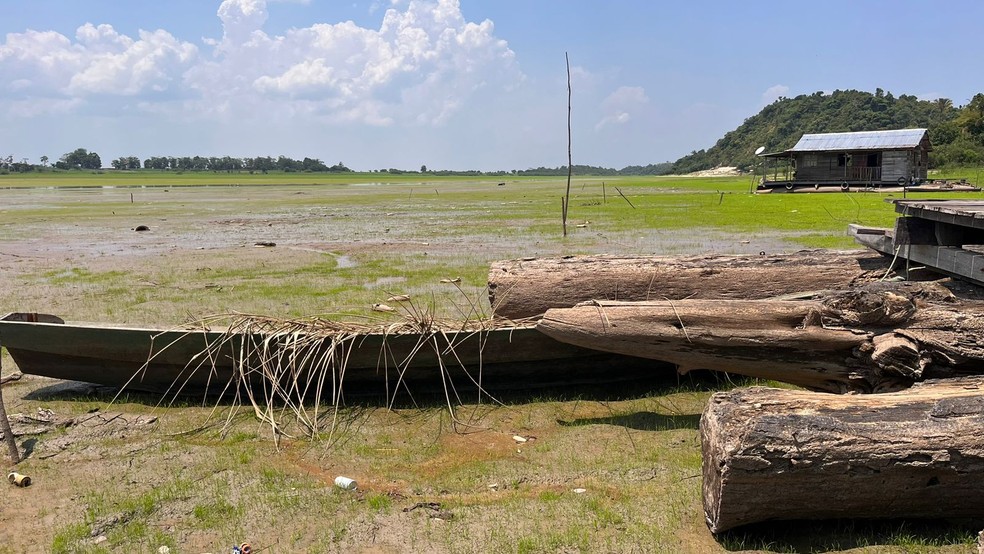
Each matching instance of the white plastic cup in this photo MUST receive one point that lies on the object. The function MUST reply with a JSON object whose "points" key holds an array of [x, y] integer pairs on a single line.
{"points": [[345, 483], [18, 479]]}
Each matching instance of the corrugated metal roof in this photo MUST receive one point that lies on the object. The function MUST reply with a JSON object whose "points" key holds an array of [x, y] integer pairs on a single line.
{"points": [[863, 140]]}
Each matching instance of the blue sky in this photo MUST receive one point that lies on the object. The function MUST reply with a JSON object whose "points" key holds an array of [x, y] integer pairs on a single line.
{"points": [[449, 85]]}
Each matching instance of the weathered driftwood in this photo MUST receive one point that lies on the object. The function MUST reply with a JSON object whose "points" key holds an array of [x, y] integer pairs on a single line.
{"points": [[877, 338], [773, 454], [8, 435], [529, 287]]}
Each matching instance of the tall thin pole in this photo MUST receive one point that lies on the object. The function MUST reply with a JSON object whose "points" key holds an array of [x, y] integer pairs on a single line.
{"points": [[570, 168]]}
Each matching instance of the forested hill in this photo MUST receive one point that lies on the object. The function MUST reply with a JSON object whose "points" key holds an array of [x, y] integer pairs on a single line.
{"points": [[957, 134]]}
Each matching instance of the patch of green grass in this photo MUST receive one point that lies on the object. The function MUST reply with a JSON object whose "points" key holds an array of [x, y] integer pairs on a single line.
{"points": [[572, 538], [602, 513], [140, 532], [215, 513], [82, 276], [379, 502], [239, 437], [132, 515], [68, 539]]}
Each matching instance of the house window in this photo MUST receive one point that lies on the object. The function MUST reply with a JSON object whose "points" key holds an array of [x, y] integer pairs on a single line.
{"points": [[873, 160], [841, 160], [809, 160]]}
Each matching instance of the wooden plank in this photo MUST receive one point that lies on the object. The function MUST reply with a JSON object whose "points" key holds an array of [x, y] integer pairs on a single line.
{"points": [[965, 213], [894, 165], [877, 239], [956, 207], [954, 261], [942, 206]]}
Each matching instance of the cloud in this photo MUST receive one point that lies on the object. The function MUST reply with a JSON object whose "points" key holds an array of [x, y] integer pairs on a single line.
{"points": [[122, 66], [240, 19], [617, 107], [773, 93], [421, 66], [49, 73]]}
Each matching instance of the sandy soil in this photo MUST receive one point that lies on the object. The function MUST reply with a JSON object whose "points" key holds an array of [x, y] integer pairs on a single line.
{"points": [[723, 171]]}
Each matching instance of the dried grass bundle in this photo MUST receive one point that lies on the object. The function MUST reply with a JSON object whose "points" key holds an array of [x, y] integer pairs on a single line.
{"points": [[292, 372]]}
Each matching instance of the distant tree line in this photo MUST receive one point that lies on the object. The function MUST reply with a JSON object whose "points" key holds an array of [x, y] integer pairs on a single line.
{"points": [[83, 159], [651, 169], [260, 164]]}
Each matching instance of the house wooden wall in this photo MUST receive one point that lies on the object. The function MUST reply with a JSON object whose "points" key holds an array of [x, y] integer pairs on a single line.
{"points": [[818, 166], [895, 165], [823, 166]]}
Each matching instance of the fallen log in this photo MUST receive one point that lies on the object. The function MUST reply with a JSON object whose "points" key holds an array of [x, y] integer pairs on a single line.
{"points": [[773, 454], [877, 338], [529, 287]]}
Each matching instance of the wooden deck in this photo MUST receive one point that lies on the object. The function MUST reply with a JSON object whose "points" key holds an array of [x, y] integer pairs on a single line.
{"points": [[944, 235], [965, 213], [861, 186]]}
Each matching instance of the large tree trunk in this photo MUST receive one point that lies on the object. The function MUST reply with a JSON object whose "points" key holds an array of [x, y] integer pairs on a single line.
{"points": [[877, 338], [529, 287], [774, 454]]}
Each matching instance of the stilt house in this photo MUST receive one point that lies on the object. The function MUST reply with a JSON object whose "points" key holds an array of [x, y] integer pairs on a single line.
{"points": [[866, 158]]}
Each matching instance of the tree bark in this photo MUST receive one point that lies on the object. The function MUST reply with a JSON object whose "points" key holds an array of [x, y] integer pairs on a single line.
{"points": [[773, 454], [8, 434], [527, 288], [877, 338]]}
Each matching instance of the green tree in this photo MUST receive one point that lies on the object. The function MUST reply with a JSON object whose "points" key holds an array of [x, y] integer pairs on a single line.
{"points": [[971, 118], [80, 158], [944, 108], [313, 164], [944, 133]]}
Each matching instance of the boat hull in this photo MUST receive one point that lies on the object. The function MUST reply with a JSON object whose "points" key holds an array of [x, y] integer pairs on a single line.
{"points": [[193, 362]]}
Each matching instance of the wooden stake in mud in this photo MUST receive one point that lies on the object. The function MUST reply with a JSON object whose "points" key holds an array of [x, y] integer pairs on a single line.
{"points": [[8, 434], [625, 197], [567, 198], [563, 214]]}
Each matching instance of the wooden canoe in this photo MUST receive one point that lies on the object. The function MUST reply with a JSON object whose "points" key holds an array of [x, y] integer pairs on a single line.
{"points": [[196, 361]]}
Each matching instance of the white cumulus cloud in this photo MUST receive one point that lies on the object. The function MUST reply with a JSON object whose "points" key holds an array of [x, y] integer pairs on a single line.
{"points": [[773, 93], [618, 106], [49, 73], [124, 66], [422, 65]]}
